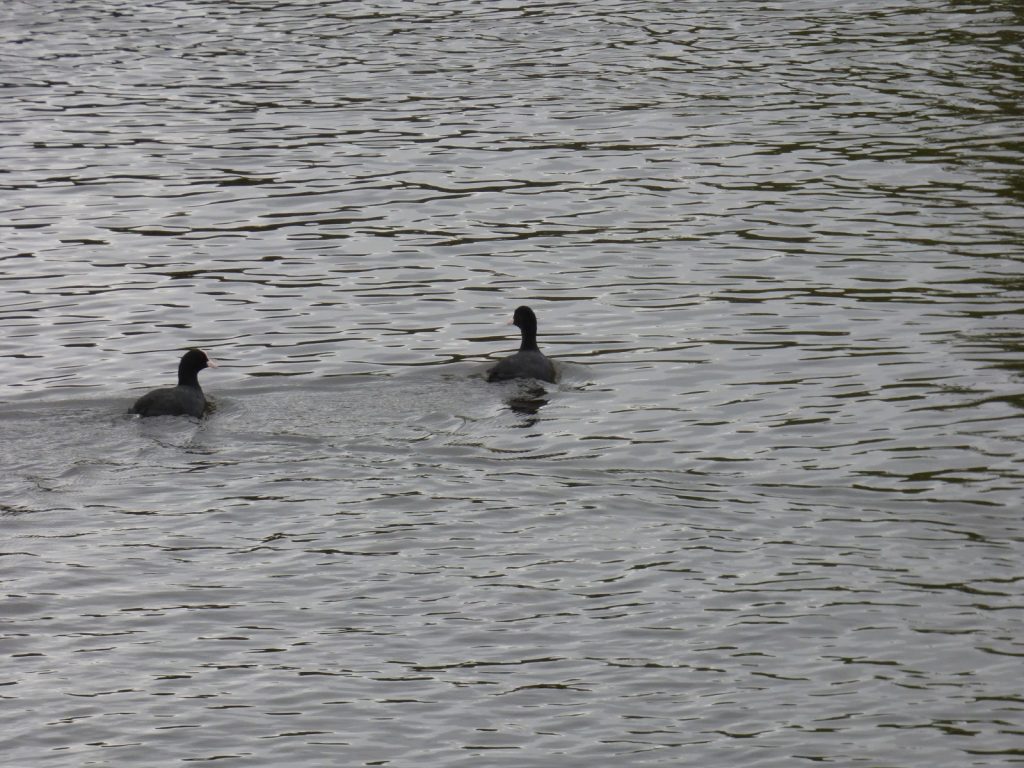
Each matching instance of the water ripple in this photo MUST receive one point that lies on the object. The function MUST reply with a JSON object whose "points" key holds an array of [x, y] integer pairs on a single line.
{"points": [[770, 510]]}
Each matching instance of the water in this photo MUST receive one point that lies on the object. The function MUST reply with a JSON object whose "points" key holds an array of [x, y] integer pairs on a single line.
{"points": [[769, 515]]}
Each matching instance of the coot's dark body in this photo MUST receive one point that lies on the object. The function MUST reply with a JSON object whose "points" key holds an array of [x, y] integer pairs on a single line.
{"points": [[529, 362], [186, 399]]}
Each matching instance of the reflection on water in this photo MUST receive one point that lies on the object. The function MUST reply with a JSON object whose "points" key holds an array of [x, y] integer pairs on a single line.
{"points": [[769, 512], [526, 397]]}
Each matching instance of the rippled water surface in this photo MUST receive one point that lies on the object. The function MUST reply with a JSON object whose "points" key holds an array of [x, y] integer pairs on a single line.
{"points": [[770, 514]]}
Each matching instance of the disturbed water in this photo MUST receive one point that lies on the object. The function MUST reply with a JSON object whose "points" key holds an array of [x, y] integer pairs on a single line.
{"points": [[769, 515]]}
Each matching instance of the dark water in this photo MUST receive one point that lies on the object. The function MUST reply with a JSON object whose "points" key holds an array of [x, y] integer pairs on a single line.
{"points": [[771, 514]]}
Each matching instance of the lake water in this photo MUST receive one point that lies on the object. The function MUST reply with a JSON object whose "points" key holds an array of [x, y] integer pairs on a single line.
{"points": [[771, 513]]}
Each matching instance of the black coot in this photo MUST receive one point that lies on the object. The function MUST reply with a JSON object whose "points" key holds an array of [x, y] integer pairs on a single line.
{"points": [[186, 399], [529, 362]]}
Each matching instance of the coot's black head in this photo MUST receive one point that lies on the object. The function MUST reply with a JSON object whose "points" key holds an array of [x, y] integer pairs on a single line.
{"points": [[527, 322], [525, 319], [192, 362]]}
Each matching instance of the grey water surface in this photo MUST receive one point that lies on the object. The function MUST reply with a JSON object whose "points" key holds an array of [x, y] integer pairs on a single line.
{"points": [[772, 513]]}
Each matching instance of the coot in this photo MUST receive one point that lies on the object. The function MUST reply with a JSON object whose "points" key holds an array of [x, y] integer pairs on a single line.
{"points": [[186, 399], [529, 362]]}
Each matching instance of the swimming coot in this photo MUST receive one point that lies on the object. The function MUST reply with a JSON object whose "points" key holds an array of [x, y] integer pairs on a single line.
{"points": [[529, 362], [186, 399]]}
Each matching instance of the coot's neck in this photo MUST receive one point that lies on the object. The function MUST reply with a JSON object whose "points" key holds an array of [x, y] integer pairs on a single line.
{"points": [[188, 377], [529, 342]]}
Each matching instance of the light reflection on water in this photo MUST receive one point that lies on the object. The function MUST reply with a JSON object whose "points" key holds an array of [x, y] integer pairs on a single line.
{"points": [[769, 512]]}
